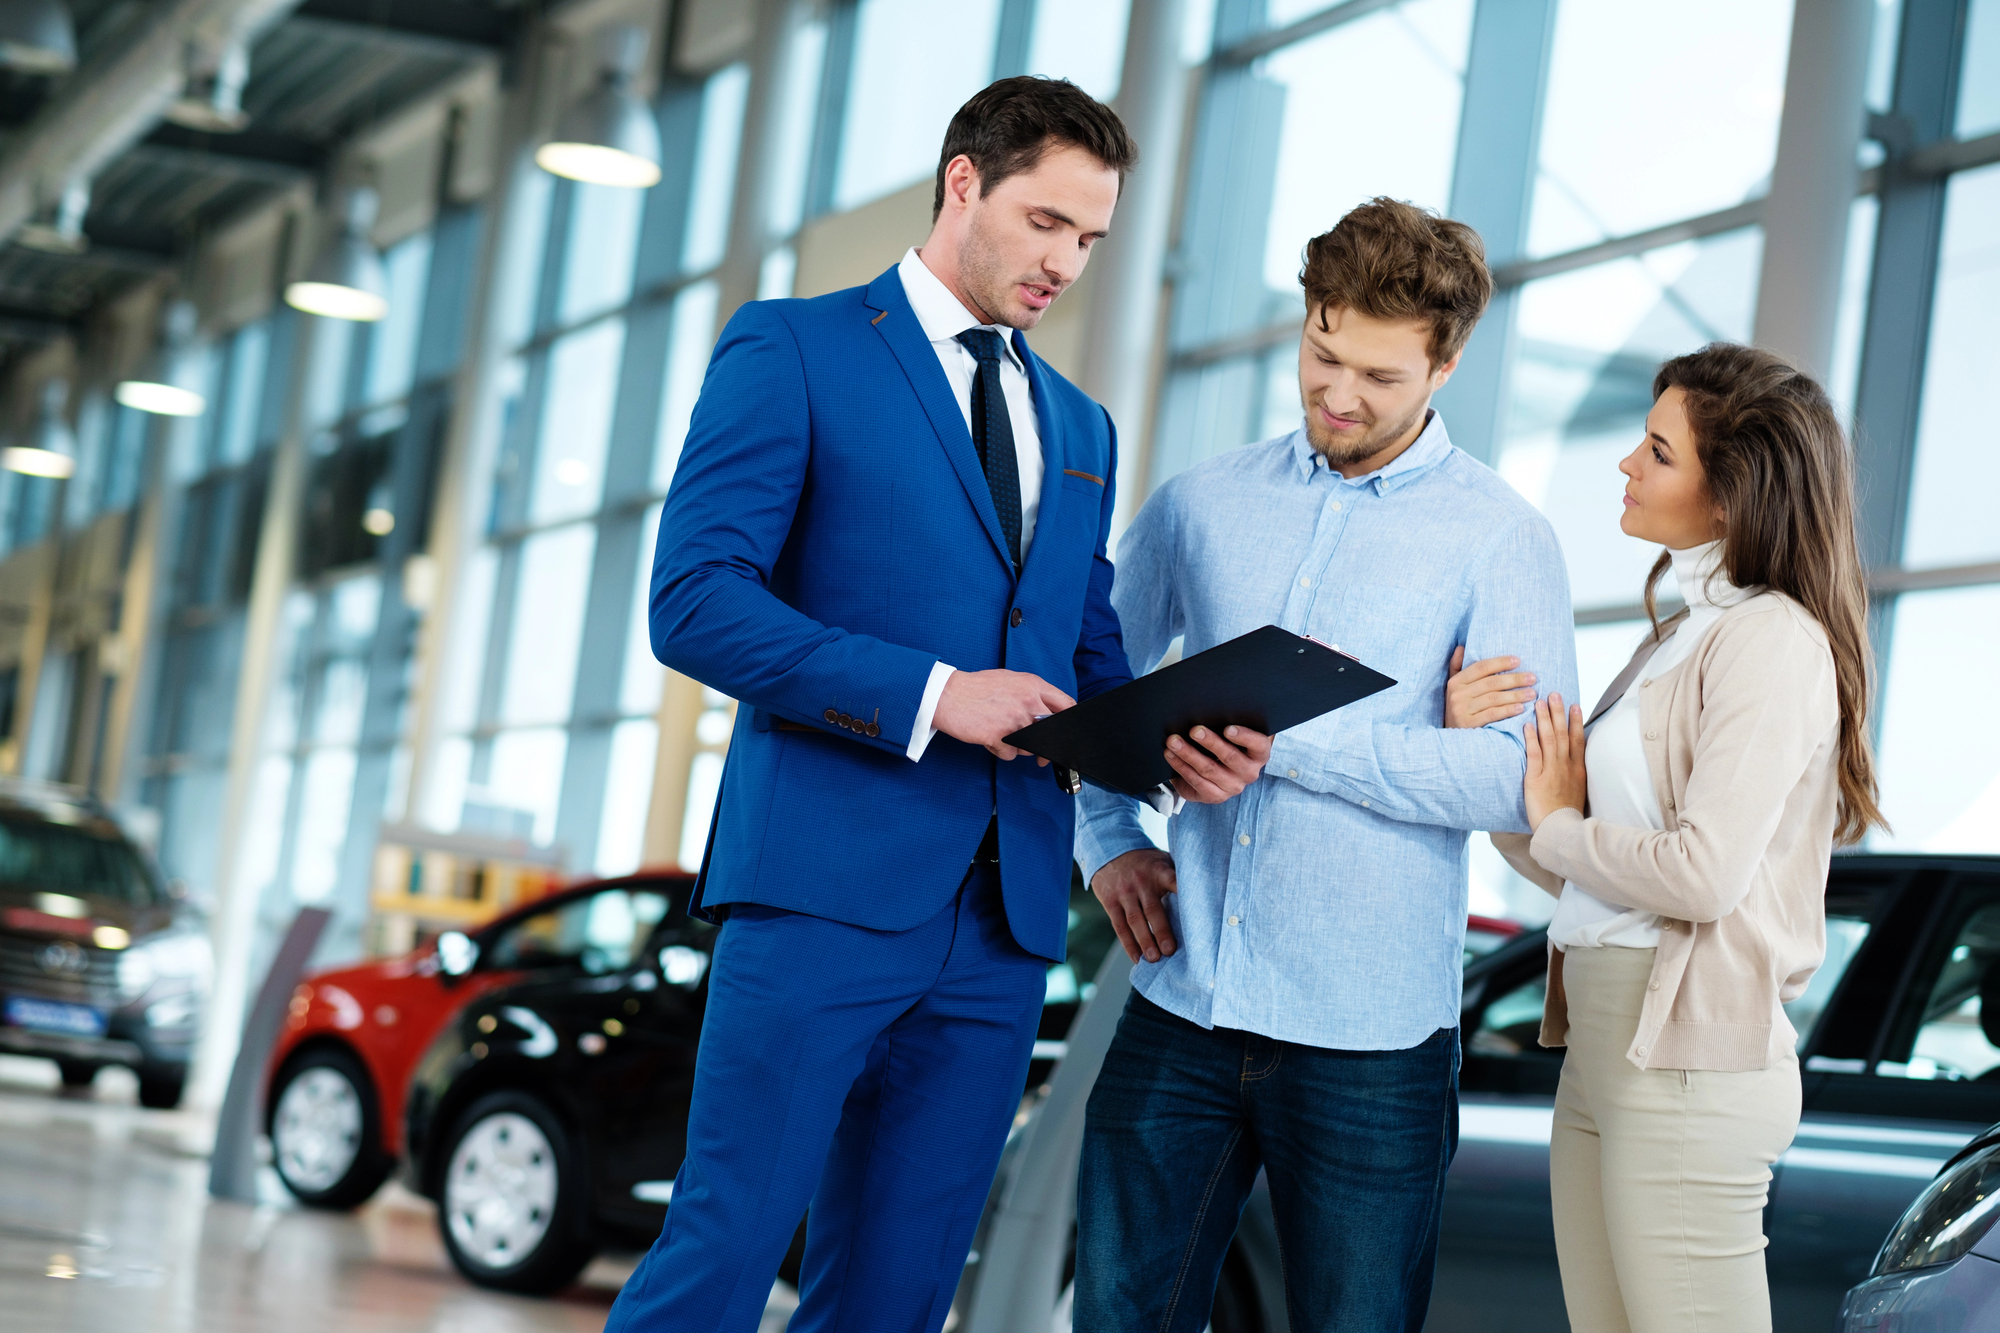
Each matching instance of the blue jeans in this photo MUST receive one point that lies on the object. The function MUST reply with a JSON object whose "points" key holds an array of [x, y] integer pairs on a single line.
{"points": [[1354, 1144]]}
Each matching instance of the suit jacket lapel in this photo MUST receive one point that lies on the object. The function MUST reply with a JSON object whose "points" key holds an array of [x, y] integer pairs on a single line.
{"points": [[1050, 429], [897, 325], [1636, 665]]}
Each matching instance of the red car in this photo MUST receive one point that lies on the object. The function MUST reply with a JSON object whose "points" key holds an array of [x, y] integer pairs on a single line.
{"points": [[343, 1062]]}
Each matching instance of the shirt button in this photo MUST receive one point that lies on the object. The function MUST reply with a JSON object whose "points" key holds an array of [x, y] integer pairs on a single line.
{"points": [[1305, 583], [1243, 838], [1291, 772], [1335, 506], [1364, 805], [1235, 920]]}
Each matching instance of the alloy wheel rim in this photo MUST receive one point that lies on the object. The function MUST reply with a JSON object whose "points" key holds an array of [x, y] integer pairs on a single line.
{"points": [[500, 1190], [316, 1132]]}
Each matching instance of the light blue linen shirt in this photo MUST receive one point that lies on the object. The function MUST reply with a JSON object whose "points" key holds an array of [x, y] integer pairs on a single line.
{"points": [[1326, 904]]}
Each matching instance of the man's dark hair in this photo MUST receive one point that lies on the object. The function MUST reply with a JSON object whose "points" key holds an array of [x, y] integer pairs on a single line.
{"points": [[1009, 124]]}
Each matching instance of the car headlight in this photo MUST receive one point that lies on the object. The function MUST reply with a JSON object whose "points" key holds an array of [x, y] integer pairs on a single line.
{"points": [[1948, 1218], [182, 957]]}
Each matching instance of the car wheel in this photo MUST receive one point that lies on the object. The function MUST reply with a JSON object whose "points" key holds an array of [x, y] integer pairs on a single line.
{"points": [[160, 1090], [513, 1210], [325, 1137], [77, 1073]]}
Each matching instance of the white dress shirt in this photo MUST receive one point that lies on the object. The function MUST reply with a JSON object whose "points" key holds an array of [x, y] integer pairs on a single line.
{"points": [[1620, 783], [943, 317]]}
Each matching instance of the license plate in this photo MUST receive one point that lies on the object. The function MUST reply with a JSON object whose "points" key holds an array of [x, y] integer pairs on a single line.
{"points": [[75, 1020]]}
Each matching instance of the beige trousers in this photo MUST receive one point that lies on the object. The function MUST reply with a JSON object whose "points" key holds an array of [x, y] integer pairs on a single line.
{"points": [[1659, 1176]]}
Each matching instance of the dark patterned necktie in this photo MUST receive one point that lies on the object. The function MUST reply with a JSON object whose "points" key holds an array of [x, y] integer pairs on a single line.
{"points": [[993, 435]]}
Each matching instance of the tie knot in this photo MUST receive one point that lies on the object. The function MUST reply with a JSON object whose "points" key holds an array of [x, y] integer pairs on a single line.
{"points": [[984, 344]]}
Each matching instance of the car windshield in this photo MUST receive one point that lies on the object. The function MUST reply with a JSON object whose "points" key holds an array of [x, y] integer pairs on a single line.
{"points": [[58, 858], [600, 933]]}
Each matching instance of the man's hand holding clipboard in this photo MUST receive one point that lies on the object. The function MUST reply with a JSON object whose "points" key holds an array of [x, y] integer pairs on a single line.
{"points": [[1135, 738]]}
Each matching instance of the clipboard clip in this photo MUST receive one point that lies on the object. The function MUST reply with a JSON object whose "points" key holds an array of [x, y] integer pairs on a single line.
{"points": [[1331, 647]]}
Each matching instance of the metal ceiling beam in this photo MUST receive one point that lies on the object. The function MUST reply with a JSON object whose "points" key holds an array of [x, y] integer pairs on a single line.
{"points": [[267, 159], [461, 26], [417, 41], [115, 97]]}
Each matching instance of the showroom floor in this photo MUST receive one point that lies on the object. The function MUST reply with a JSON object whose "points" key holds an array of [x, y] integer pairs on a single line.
{"points": [[106, 1227]]}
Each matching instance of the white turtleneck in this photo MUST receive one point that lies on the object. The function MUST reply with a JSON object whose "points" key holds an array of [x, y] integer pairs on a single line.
{"points": [[1621, 785]]}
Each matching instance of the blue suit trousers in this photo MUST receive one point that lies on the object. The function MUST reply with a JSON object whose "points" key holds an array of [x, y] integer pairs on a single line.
{"points": [[871, 1073]]}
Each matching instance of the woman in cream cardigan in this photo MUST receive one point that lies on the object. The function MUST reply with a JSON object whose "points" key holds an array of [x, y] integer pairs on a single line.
{"points": [[1687, 843]]}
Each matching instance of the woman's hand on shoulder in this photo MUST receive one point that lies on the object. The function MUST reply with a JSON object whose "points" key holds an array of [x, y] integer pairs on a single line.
{"points": [[1556, 779], [1488, 691]]}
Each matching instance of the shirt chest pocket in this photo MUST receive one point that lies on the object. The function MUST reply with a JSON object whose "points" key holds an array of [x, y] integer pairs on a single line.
{"points": [[1394, 629]]}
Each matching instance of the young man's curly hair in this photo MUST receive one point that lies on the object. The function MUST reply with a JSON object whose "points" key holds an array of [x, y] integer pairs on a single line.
{"points": [[1394, 261]]}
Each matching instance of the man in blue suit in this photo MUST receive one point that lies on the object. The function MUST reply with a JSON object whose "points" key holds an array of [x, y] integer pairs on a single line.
{"points": [[886, 539]]}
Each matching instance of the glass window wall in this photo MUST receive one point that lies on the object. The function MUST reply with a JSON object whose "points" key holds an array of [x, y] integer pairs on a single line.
{"points": [[1650, 118]]}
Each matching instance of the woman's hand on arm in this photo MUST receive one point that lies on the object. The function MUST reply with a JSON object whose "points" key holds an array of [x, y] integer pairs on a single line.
{"points": [[1556, 779], [1488, 691]]}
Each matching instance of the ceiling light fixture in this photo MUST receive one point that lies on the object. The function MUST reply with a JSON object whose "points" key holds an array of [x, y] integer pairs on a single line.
{"points": [[159, 394], [610, 137], [37, 37], [53, 453], [347, 281], [62, 234], [213, 98]]}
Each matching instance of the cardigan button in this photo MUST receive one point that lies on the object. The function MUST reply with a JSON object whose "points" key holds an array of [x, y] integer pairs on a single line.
{"points": [[1652, 735], [1653, 985], [1641, 1052]]}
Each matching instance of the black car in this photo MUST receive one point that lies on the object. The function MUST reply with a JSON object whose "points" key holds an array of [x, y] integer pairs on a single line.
{"points": [[548, 1118], [1900, 1060], [102, 962]]}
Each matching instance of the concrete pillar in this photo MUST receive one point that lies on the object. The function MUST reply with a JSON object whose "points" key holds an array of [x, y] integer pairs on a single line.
{"points": [[233, 920], [1493, 191], [1813, 181], [1121, 348], [763, 124]]}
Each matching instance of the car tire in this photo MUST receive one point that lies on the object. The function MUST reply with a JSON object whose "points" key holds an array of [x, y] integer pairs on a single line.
{"points": [[77, 1073], [326, 1131], [160, 1089], [525, 1226]]}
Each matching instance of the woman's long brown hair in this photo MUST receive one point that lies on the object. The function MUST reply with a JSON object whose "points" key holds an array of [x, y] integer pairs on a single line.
{"points": [[1779, 468]]}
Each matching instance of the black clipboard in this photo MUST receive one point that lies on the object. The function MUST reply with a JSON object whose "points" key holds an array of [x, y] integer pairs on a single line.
{"points": [[1268, 680]]}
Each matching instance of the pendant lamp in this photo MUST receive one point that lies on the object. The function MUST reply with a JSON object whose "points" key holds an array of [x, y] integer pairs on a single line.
{"points": [[347, 281], [610, 137]]}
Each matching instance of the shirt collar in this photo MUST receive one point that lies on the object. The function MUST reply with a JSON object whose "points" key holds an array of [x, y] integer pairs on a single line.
{"points": [[1427, 451], [941, 315]]}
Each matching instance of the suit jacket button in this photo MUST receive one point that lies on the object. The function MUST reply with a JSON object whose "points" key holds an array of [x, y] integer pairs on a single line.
{"points": [[832, 715], [874, 730], [1016, 619], [844, 720]]}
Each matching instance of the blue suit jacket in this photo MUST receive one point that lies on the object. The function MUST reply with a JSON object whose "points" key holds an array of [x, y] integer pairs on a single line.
{"points": [[828, 536]]}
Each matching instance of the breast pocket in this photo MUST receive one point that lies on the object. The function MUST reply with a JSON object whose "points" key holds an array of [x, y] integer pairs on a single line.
{"points": [[1396, 630]]}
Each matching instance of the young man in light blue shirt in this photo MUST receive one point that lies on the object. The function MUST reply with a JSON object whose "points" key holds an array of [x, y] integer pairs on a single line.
{"points": [[1298, 955]]}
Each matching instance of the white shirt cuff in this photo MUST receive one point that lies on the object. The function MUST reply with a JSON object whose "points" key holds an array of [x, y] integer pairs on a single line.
{"points": [[923, 731], [1165, 799]]}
